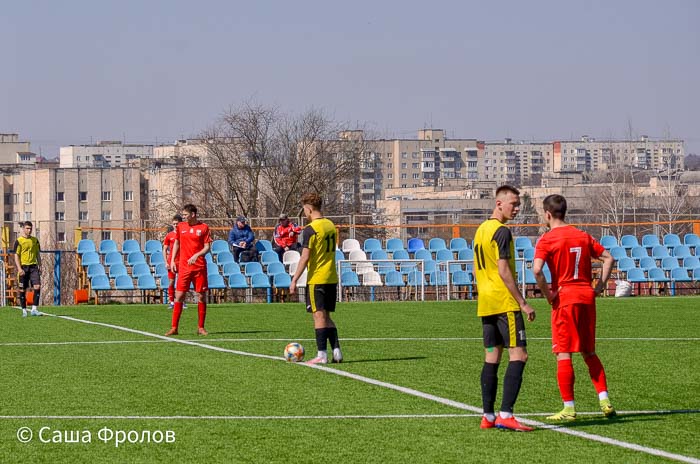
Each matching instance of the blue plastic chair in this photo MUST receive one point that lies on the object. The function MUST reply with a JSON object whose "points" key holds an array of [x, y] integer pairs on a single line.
{"points": [[95, 270], [113, 257], [152, 246], [628, 242], [156, 258], [405, 268], [146, 282], [669, 263], [123, 282], [660, 252], [379, 254], [681, 251], [225, 257], [231, 268], [436, 244], [658, 275], [116, 270], [276, 268], [385, 267], [649, 241], [618, 253], [237, 281], [252, 268], [691, 262], [394, 244], [263, 245], [439, 278], [415, 278], [140, 269], [608, 241], [429, 266], [100, 282], [458, 243], [639, 252], [86, 245], [415, 244], [647, 263], [423, 254], [394, 279], [282, 280], [696, 274], [680, 274], [349, 279], [461, 278], [89, 257], [529, 254], [371, 244], [522, 243], [216, 282], [135, 258], [636, 275], [212, 268], [671, 240], [130, 246], [444, 255], [466, 255], [339, 256], [691, 240], [161, 270], [217, 246], [208, 258], [400, 254], [269, 257], [625, 264], [107, 246]]}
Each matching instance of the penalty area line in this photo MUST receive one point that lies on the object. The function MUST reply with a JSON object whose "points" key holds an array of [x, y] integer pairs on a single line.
{"points": [[406, 390]]}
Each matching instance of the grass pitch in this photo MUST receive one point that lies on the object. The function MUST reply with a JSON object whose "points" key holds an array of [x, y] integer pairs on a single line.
{"points": [[65, 380]]}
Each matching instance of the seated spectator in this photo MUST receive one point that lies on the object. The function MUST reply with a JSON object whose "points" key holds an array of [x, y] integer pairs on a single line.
{"points": [[286, 236], [241, 239]]}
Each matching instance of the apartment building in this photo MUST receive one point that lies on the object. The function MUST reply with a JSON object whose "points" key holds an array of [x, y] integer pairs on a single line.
{"points": [[13, 151], [106, 154]]}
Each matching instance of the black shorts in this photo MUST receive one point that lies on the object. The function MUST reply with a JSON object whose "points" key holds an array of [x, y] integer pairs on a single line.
{"points": [[506, 329], [321, 297], [30, 277]]}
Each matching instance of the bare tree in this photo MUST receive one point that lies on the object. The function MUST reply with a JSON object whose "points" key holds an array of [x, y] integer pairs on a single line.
{"points": [[614, 202]]}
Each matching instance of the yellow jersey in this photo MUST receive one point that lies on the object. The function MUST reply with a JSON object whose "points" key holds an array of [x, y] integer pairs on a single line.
{"points": [[320, 238], [27, 248], [493, 241]]}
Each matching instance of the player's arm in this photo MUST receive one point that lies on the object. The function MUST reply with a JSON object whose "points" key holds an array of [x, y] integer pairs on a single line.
{"points": [[165, 254], [38, 256], [18, 262], [205, 249], [608, 262], [537, 267], [303, 261], [507, 277], [173, 254]]}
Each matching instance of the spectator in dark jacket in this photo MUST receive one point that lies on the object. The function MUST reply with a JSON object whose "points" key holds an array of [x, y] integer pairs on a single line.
{"points": [[241, 238]]}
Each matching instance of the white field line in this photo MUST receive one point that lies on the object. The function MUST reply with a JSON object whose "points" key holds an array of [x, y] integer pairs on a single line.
{"points": [[325, 417], [288, 339], [409, 391]]}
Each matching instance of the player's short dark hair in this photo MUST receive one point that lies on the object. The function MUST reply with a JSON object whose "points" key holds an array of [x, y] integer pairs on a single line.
{"points": [[312, 199], [26, 223], [177, 218], [190, 208], [556, 206], [507, 188], [170, 228]]}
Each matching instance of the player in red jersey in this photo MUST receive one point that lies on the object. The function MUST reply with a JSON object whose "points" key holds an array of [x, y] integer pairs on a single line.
{"points": [[192, 241], [568, 252], [167, 249]]}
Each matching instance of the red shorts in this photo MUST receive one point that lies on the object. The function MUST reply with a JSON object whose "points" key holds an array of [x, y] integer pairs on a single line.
{"points": [[573, 328], [198, 277]]}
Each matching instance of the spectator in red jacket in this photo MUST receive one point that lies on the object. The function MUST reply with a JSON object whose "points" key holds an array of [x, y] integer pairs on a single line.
{"points": [[286, 233]]}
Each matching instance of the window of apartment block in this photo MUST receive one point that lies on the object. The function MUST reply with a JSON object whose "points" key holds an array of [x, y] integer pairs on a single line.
{"points": [[27, 215], [403, 176], [27, 198], [82, 196], [415, 185], [390, 176], [404, 165], [128, 215], [60, 216], [128, 195], [414, 155], [404, 155], [415, 165], [15, 198], [8, 198], [106, 235], [60, 196], [8, 217], [106, 196], [61, 237], [403, 186], [106, 215], [83, 216], [416, 175]]}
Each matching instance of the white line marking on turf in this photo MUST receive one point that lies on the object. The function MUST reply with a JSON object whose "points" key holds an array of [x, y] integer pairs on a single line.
{"points": [[323, 417], [409, 391]]}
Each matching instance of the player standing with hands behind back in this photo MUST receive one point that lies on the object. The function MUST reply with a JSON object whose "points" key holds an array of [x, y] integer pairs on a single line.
{"points": [[568, 252], [499, 307], [319, 241]]}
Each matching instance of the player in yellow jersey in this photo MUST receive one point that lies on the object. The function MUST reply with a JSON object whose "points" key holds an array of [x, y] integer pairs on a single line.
{"points": [[499, 307], [319, 240], [28, 262]]}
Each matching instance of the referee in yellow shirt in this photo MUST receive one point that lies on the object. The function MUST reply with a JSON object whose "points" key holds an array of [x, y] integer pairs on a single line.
{"points": [[28, 263], [500, 306]]}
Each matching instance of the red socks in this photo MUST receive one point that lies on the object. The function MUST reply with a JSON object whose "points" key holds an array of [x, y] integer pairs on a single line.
{"points": [[566, 379], [595, 369], [202, 312], [171, 293], [177, 311]]}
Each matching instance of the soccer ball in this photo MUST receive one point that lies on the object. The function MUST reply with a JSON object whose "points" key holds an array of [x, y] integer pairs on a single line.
{"points": [[294, 352]]}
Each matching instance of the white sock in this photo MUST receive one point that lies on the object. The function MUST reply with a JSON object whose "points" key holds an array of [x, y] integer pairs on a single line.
{"points": [[33, 307], [490, 416], [505, 415], [603, 395], [568, 404]]}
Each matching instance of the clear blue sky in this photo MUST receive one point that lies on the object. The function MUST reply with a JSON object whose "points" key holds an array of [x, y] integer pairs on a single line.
{"points": [[161, 70]]}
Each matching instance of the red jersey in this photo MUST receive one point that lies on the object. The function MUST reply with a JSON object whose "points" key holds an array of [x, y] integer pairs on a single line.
{"points": [[568, 252], [192, 240], [168, 242]]}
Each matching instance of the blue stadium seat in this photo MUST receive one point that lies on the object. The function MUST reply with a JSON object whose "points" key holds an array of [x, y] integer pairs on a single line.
{"points": [[225, 257], [231, 268], [95, 270], [116, 270], [691, 240], [669, 263], [647, 263], [252, 268], [212, 268], [608, 241], [107, 246], [85, 245], [423, 254], [671, 240], [113, 257], [237, 281], [161, 270], [394, 244], [282, 280], [208, 258], [349, 279], [260, 280], [152, 246], [691, 262], [681, 251], [372, 244], [135, 257], [394, 279], [130, 246], [146, 282], [618, 253], [385, 267], [276, 268], [522, 243], [636, 275], [680, 274], [156, 258], [415, 244], [140, 269], [625, 264], [466, 255], [628, 242], [268, 257], [217, 246], [415, 278], [436, 244], [444, 255], [439, 278], [339, 256], [123, 282], [400, 254], [461, 278], [639, 252], [649, 241], [658, 275], [263, 245], [164, 281], [379, 254], [89, 257], [696, 274], [216, 282], [429, 266], [100, 282], [458, 243], [659, 252], [529, 254]]}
